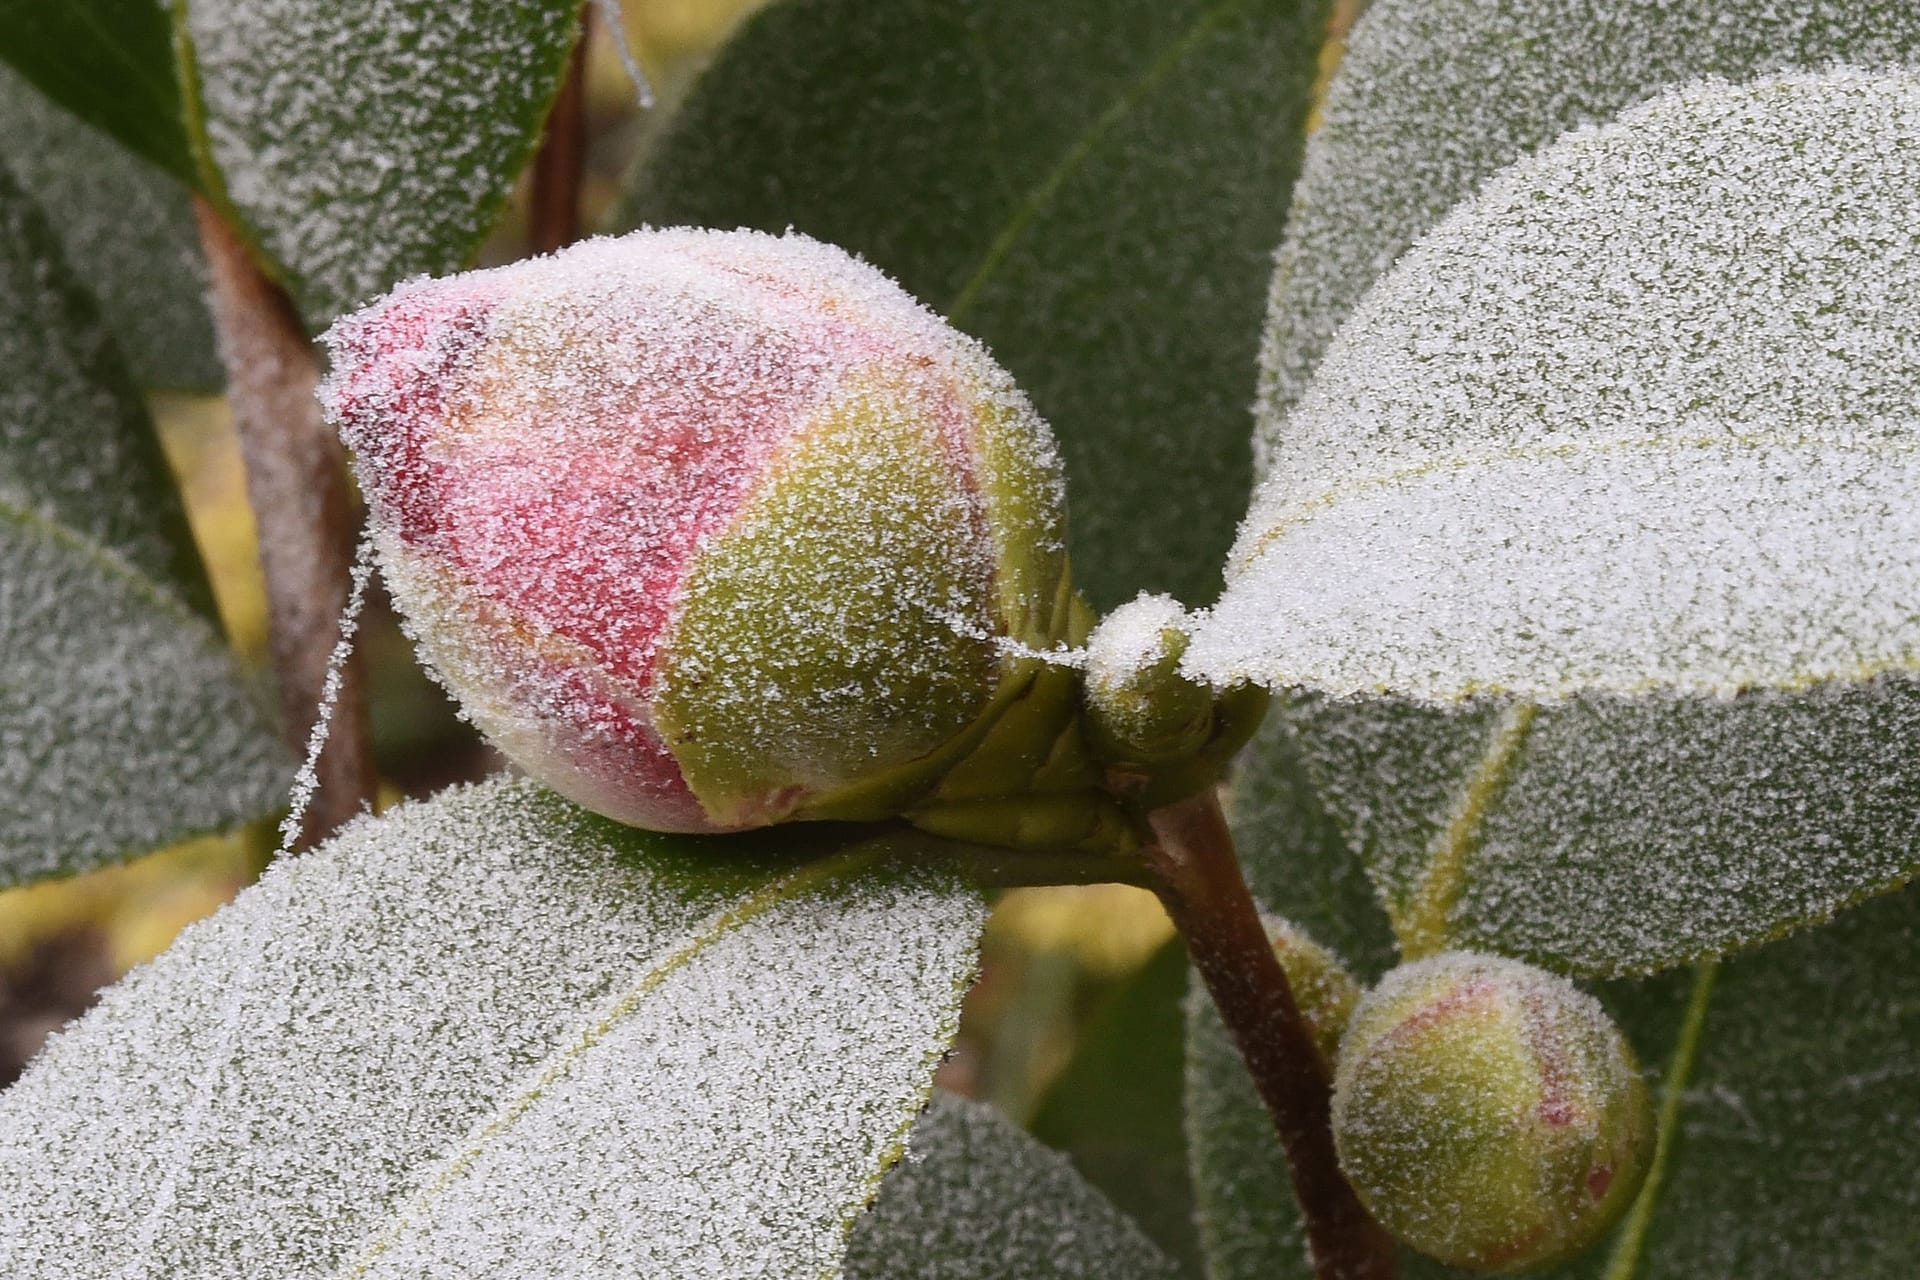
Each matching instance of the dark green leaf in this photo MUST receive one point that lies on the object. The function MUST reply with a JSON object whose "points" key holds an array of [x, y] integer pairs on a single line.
{"points": [[493, 1035], [1091, 187], [128, 232], [977, 1199], [365, 141], [109, 62], [124, 723], [1115, 1109]]}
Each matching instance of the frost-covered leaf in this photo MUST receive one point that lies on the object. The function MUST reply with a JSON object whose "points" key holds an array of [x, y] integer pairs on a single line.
{"points": [[1115, 1107], [128, 232], [1593, 540], [110, 62], [977, 1199], [365, 141], [492, 1035], [1794, 1155], [1434, 95], [124, 723], [1089, 186]]}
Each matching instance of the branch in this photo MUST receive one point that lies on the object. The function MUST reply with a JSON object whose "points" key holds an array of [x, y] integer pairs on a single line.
{"points": [[1203, 891], [553, 207], [297, 485]]}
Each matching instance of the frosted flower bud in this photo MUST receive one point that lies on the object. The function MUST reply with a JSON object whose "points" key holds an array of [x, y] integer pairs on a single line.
{"points": [[1488, 1113], [1139, 705], [706, 530], [1323, 989]]}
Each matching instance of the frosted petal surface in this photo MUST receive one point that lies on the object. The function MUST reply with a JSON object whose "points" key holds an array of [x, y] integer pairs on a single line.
{"points": [[1433, 96], [979, 1199], [123, 721], [1630, 436], [366, 141], [493, 1036]]}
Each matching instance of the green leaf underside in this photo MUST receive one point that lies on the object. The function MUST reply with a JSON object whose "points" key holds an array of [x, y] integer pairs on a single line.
{"points": [[1791, 1151], [124, 723], [127, 230], [110, 62], [1095, 188], [364, 143], [1633, 443], [1116, 1107], [490, 1034], [977, 1199]]}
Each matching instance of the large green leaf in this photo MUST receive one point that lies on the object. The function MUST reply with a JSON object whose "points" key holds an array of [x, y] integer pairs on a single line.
{"points": [[1434, 95], [1091, 187], [490, 1035], [124, 723], [110, 62], [365, 141], [1791, 1141], [977, 1199], [1591, 546], [128, 232]]}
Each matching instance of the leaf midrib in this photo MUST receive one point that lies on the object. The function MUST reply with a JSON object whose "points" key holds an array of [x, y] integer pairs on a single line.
{"points": [[558, 1063], [102, 556]]}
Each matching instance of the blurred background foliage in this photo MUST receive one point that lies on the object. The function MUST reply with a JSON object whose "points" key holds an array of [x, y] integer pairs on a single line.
{"points": [[1071, 975]]}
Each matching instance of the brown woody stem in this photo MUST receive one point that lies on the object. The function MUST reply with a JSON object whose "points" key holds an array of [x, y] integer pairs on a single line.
{"points": [[553, 210], [1201, 885], [303, 506]]}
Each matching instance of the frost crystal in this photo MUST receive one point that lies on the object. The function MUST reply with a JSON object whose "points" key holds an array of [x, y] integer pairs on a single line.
{"points": [[365, 142], [1633, 428], [123, 722], [1434, 95], [492, 1036], [978, 1199]]}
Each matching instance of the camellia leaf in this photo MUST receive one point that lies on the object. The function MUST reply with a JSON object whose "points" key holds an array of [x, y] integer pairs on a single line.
{"points": [[1094, 188], [124, 723], [977, 1199], [1791, 1072], [110, 62], [127, 229], [363, 142], [1434, 95], [1591, 543], [489, 1035]]}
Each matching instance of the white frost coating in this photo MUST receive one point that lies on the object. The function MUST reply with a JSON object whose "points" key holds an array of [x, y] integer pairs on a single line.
{"points": [[366, 142], [1638, 416], [307, 780], [616, 25], [491, 1036], [1132, 638], [979, 1199], [1433, 96], [123, 721]]}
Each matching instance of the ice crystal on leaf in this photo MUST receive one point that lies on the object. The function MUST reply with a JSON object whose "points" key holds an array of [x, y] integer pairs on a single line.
{"points": [[1434, 95], [123, 721], [492, 1035], [1630, 434], [977, 1198], [366, 142]]}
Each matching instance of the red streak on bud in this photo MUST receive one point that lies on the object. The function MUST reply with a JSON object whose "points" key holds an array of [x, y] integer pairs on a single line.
{"points": [[1598, 1180]]}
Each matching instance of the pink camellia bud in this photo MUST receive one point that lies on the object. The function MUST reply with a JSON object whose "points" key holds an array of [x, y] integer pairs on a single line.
{"points": [[708, 530]]}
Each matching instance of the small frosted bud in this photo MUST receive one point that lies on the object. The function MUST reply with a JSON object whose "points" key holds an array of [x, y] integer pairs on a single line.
{"points": [[1139, 706], [706, 530], [1489, 1113], [1324, 990]]}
